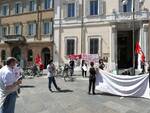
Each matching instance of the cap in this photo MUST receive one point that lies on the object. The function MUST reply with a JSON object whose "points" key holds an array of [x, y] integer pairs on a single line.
{"points": [[10, 59]]}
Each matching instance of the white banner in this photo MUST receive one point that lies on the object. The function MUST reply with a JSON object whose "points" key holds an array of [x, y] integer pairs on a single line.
{"points": [[91, 57], [123, 85]]}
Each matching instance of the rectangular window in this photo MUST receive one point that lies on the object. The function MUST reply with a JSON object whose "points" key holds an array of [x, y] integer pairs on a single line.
{"points": [[17, 29], [5, 10], [18, 8], [31, 29], [32, 5], [94, 46], [47, 27], [4, 31], [94, 7], [47, 4], [70, 46], [127, 6], [71, 9]]}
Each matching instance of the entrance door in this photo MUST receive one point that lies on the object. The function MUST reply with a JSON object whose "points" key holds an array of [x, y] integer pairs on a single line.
{"points": [[16, 52], [124, 42], [45, 56]]}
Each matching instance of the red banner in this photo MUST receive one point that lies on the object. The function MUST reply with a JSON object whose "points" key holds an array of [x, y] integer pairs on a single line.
{"points": [[74, 56]]}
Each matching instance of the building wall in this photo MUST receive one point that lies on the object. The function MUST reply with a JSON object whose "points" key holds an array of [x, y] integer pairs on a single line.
{"points": [[37, 42], [105, 25]]}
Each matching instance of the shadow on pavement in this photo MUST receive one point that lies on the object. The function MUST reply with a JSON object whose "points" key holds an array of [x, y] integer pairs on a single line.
{"points": [[27, 86], [64, 91], [106, 94]]}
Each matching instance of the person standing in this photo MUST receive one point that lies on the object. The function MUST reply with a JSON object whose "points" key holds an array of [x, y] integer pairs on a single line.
{"points": [[8, 86], [84, 69], [51, 73], [92, 78], [101, 64], [148, 69], [71, 64]]}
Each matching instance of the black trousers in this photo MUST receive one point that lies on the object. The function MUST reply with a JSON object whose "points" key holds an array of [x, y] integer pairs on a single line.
{"points": [[92, 84], [52, 79], [83, 73]]}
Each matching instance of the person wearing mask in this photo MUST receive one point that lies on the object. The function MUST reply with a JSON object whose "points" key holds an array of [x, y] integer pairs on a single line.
{"points": [[8, 86], [92, 78], [51, 75]]}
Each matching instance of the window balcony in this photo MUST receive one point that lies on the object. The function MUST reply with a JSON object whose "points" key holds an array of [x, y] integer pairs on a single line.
{"points": [[13, 39], [126, 16]]}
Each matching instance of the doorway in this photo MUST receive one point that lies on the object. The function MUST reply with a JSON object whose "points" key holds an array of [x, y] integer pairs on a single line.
{"points": [[45, 56], [125, 49]]}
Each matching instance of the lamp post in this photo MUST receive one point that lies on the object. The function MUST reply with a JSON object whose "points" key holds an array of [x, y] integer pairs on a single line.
{"points": [[133, 36]]}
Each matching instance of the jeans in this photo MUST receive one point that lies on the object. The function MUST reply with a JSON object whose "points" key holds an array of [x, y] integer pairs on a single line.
{"points": [[52, 79], [9, 104]]}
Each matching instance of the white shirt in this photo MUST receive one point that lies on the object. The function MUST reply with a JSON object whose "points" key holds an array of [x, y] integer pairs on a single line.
{"points": [[17, 70], [7, 77], [51, 70]]}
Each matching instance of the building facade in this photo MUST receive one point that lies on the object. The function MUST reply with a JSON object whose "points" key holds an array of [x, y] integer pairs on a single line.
{"points": [[109, 28], [26, 30]]}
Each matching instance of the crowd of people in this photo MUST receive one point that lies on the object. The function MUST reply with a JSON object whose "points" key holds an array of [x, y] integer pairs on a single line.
{"points": [[10, 79]]}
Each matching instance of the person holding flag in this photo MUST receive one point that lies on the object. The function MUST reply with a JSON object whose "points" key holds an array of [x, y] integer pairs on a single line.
{"points": [[141, 56]]}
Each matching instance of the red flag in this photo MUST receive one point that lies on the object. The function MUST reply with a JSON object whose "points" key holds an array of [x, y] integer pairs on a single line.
{"points": [[139, 51], [38, 60]]}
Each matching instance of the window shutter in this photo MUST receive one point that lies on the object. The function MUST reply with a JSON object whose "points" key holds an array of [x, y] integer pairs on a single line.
{"points": [[43, 1], [50, 28], [51, 4], [87, 8], [100, 2], [34, 29], [65, 8], [137, 5], [0, 33], [20, 29], [8, 10], [35, 5], [42, 28], [77, 8]]}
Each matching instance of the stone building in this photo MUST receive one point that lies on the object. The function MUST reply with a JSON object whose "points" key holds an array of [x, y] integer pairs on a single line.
{"points": [[109, 28], [26, 30]]}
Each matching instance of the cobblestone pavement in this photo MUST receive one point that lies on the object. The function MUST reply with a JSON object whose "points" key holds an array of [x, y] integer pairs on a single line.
{"points": [[36, 98]]}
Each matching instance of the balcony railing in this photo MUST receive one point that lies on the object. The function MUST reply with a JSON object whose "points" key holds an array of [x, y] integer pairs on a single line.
{"points": [[115, 17], [10, 39]]}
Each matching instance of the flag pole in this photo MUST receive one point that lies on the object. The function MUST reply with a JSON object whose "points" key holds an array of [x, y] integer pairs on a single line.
{"points": [[133, 36]]}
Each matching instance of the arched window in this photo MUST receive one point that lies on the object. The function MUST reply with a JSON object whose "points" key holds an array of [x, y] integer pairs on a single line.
{"points": [[16, 52], [3, 55], [30, 55]]}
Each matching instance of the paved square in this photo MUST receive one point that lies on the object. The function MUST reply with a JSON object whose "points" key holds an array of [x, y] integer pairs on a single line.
{"points": [[36, 98]]}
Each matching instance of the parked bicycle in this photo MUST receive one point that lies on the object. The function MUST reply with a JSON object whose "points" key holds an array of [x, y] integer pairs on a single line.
{"points": [[67, 73], [59, 70], [27, 73]]}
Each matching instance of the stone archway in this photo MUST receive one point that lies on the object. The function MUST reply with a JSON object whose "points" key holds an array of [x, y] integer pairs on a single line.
{"points": [[16, 52], [45, 56]]}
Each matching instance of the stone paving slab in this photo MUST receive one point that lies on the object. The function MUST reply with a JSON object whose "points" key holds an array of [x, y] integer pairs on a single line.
{"points": [[36, 98]]}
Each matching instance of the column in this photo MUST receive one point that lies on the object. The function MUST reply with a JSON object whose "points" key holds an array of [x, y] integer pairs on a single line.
{"points": [[145, 41], [145, 46], [113, 49]]}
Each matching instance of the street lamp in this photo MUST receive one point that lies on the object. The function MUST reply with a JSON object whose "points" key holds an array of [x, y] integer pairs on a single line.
{"points": [[133, 35]]}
